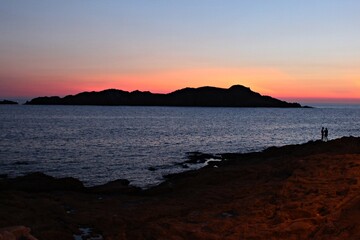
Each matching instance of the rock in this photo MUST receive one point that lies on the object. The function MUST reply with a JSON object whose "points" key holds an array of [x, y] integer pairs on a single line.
{"points": [[38, 182], [117, 186], [342, 192], [16, 233], [299, 226], [252, 196], [323, 211], [152, 169], [7, 102], [3, 175], [198, 157]]}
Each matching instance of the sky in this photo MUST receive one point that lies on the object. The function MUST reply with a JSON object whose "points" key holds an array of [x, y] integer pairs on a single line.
{"points": [[289, 49]]}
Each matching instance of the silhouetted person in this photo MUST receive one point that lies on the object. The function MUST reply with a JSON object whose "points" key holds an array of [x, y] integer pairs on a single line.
{"points": [[326, 135], [322, 133]]}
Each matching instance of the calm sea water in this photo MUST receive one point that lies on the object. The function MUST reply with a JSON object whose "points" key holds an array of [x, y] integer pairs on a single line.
{"points": [[97, 144]]}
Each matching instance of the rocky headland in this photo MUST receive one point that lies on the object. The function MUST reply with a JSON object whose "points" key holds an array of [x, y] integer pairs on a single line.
{"points": [[235, 96], [307, 191]]}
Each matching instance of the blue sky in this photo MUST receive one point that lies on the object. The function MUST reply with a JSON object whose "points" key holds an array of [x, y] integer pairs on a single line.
{"points": [[307, 40]]}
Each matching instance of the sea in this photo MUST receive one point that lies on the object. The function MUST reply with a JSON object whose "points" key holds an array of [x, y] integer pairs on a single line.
{"points": [[98, 144]]}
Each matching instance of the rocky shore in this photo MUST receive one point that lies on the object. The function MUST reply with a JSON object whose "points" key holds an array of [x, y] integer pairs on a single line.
{"points": [[307, 191]]}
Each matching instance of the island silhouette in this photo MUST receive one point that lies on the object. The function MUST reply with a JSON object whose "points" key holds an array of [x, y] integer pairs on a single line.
{"points": [[235, 96], [7, 102]]}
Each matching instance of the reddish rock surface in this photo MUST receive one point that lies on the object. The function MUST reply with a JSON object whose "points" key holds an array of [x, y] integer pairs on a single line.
{"points": [[308, 191], [15, 233]]}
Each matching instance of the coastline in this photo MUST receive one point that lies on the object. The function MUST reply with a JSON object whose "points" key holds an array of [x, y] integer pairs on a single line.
{"points": [[301, 191]]}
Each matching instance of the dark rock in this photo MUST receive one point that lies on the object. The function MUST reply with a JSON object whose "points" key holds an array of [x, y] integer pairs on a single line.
{"points": [[152, 169], [198, 157], [343, 192], [16, 233], [117, 186], [184, 166], [352, 181], [40, 182], [229, 214], [21, 163], [3, 175], [323, 211], [7, 102], [282, 174], [45, 101], [235, 96]]}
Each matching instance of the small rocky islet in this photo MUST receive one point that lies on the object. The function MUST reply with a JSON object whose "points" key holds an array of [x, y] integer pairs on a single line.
{"points": [[6, 102]]}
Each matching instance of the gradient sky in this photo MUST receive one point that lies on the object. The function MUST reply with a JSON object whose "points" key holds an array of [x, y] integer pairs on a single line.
{"points": [[290, 49]]}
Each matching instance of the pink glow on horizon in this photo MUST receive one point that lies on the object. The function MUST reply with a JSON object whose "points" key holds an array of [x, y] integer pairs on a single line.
{"points": [[266, 81]]}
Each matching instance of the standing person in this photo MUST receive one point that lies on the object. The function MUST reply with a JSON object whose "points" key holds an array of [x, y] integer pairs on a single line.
{"points": [[326, 134], [322, 134]]}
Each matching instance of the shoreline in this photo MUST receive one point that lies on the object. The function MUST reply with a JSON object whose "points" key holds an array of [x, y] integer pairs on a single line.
{"points": [[193, 158], [296, 191]]}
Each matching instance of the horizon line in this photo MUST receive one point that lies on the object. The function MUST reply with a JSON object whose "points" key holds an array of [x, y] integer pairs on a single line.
{"points": [[325, 100]]}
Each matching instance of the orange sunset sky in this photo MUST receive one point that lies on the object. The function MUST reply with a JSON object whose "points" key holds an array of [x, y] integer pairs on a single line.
{"points": [[293, 50]]}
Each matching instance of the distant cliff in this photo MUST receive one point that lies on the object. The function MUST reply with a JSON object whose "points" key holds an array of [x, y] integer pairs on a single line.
{"points": [[235, 96], [7, 102]]}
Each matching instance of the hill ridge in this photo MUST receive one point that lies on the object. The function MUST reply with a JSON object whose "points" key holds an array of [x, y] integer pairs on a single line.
{"points": [[206, 96]]}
